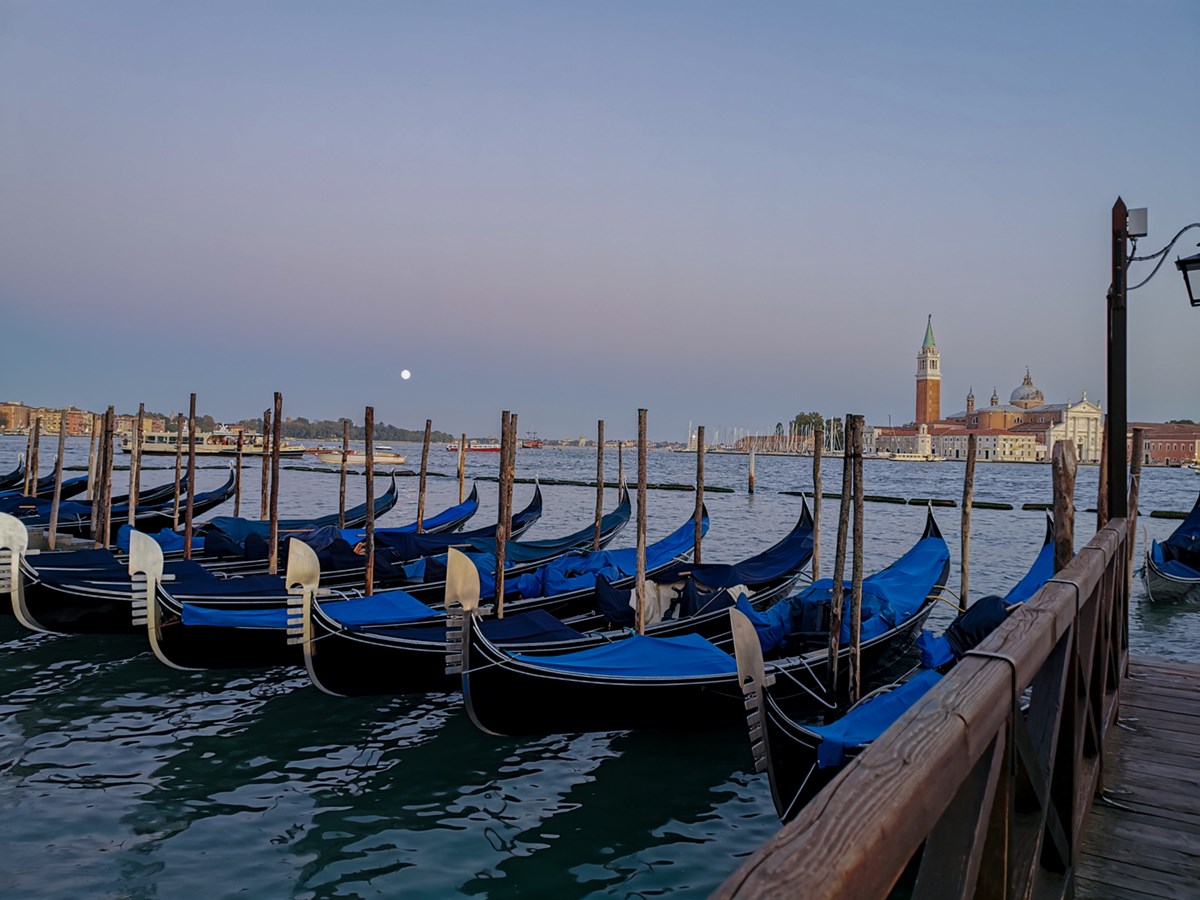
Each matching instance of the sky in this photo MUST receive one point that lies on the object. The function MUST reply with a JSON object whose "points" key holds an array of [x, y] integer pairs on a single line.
{"points": [[724, 213]]}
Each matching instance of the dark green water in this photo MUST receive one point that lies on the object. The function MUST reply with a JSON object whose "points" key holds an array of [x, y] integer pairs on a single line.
{"points": [[119, 777]]}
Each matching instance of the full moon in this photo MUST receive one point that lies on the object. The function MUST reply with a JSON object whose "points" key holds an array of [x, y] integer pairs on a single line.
{"points": [[406, 374]]}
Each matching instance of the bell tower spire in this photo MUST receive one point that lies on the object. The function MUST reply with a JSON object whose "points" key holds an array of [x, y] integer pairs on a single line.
{"points": [[929, 379]]}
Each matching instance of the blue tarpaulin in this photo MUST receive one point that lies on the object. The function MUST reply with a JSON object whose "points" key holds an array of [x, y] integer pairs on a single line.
{"points": [[643, 656], [870, 719]]}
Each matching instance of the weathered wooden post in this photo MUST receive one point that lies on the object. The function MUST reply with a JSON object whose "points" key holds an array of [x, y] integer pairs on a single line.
{"points": [[750, 487], [641, 524], [1102, 497], [1135, 480], [698, 514], [968, 499], [856, 569], [369, 437], [237, 478], [276, 440], [135, 464], [104, 531], [35, 464], [512, 470], [1064, 504], [191, 480], [501, 515], [462, 468], [837, 594], [58, 466], [818, 446], [264, 498], [620, 463], [424, 472], [178, 468], [30, 463], [599, 482], [342, 481], [93, 436]]}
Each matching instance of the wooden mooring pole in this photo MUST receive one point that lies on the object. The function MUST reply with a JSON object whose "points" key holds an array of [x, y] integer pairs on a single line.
{"points": [[462, 468], [178, 469], [512, 472], [1135, 481], [837, 596], [369, 437], [36, 456], [1064, 504], [1102, 513], [237, 479], [818, 447], [620, 463], [641, 524], [58, 469], [104, 529], [599, 482], [191, 480], [424, 472], [968, 498], [135, 464], [750, 486], [264, 497], [30, 464], [698, 514], [501, 514], [93, 436], [856, 570], [276, 439], [342, 479]]}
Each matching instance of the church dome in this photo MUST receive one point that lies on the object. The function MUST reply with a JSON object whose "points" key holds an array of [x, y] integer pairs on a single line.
{"points": [[1027, 393]]}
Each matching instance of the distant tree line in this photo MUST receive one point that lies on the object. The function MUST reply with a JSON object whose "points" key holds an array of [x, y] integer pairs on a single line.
{"points": [[327, 429], [803, 423]]}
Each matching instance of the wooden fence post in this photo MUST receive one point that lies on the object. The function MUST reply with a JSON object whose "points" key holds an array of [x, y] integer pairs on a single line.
{"points": [[968, 499], [1064, 504]]}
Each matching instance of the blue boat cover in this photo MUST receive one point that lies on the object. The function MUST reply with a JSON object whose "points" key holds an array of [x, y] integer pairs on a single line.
{"points": [[167, 539], [867, 721], [1180, 553], [461, 512], [639, 656], [890, 597], [209, 585], [784, 558], [580, 571], [212, 617], [386, 608], [534, 627]]}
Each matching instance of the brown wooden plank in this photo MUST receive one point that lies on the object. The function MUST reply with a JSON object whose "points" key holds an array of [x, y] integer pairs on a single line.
{"points": [[1091, 885], [1184, 886]]}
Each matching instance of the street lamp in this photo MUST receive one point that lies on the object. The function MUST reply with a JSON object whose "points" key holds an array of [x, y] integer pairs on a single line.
{"points": [[1189, 266], [1127, 224]]}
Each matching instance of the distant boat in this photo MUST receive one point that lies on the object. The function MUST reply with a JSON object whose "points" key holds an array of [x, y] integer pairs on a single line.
{"points": [[476, 447], [359, 458], [917, 457], [222, 442]]}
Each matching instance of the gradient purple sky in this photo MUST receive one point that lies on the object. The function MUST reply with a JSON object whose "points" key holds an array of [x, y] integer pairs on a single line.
{"points": [[727, 213]]}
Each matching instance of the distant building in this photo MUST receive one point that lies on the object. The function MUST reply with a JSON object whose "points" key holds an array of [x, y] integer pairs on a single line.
{"points": [[929, 379], [1168, 445]]}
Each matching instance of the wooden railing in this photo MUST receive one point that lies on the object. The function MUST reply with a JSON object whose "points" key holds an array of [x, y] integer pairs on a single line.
{"points": [[981, 789]]}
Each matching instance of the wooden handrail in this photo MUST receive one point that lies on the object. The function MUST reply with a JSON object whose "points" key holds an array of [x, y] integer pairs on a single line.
{"points": [[996, 799]]}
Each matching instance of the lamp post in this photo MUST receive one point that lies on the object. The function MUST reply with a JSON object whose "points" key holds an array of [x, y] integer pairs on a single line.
{"points": [[1117, 381]]}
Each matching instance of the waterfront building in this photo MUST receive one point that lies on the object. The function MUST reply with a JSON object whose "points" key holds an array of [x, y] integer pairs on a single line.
{"points": [[1168, 445]]}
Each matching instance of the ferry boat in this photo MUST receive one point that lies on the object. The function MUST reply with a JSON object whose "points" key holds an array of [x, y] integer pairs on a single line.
{"points": [[476, 447], [359, 458], [222, 442], [917, 457]]}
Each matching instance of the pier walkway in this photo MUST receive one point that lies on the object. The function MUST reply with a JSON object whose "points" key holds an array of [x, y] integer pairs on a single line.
{"points": [[1144, 840]]}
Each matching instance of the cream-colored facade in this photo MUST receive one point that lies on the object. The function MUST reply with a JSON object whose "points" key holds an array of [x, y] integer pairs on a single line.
{"points": [[990, 446]]}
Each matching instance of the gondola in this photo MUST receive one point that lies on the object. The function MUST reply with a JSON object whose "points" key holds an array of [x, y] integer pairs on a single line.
{"points": [[241, 622], [395, 648], [89, 590], [71, 487], [1172, 569], [801, 759], [76, 518], [686, 682], [16, 477], [39, 507]]}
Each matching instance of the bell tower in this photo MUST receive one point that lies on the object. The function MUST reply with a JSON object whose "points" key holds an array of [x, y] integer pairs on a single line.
{"points": [[929, 379]]}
